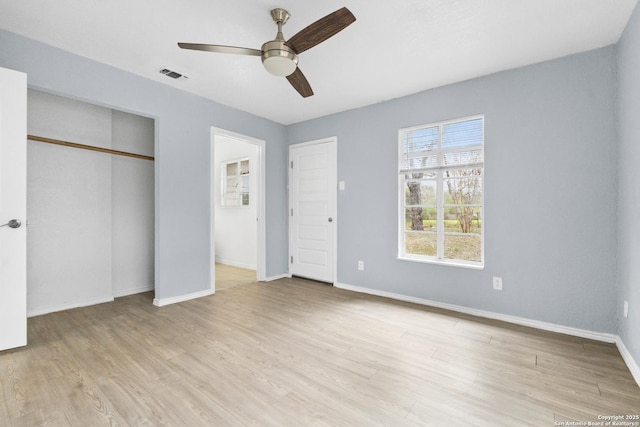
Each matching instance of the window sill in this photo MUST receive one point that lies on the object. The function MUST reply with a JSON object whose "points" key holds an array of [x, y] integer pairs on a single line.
{"points": [[448, 263]]}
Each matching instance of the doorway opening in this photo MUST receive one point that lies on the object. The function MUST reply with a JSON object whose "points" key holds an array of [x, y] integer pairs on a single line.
{"points": [[237, 209]]}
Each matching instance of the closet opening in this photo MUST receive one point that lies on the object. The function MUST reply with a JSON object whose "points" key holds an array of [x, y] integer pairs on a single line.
{"points": [[90, 203]]}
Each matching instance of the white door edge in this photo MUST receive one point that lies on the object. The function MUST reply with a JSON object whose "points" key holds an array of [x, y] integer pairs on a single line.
{"points": [[13, 202]]}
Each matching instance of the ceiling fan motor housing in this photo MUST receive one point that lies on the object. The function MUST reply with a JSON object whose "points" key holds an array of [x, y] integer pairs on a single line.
{"points": [[278, 58]]}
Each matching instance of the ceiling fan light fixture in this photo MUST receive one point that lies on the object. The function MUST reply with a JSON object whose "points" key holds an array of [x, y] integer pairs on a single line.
{"points": [[278, 59], [279, 66]]}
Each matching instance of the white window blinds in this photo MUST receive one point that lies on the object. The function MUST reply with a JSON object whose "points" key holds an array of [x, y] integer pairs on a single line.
{"points": [[446, 145]]}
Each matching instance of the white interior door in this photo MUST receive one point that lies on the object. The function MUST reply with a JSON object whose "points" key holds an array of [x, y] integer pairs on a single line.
{"points": [[13, 209], [312, 194]]}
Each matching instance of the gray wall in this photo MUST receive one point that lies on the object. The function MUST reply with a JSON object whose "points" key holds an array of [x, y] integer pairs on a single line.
{"points": [[550, 199], [182, 147], [629, 189]]}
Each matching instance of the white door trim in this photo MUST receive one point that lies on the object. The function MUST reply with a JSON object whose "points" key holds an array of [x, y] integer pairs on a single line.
{"points": [[260, 197], [331, 140]]}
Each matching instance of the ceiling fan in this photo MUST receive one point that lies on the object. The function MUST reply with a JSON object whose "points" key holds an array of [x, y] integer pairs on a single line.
{"points": [[280, 56]]}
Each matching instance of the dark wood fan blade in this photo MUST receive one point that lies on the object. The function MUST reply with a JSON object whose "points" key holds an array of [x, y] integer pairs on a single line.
{"points": [[321, 30], [221, 49], [300, 83]]}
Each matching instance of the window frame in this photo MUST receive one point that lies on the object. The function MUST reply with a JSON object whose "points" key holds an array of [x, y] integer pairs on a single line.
{"points": [[440, 182]]}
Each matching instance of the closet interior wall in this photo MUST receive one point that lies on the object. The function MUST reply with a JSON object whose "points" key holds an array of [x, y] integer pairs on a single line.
{"points": [[90, 214]]}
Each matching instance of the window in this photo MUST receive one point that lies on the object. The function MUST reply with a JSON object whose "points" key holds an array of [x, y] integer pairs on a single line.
{"points": [[441, 174], [235, 183]]}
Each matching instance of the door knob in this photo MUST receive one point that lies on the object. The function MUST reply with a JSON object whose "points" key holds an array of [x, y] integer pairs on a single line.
{"points": [[330, 219], [14, 223]]}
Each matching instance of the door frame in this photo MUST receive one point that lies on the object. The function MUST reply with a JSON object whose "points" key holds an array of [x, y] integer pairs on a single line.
{"points": [[333, 193], [260, 200]]}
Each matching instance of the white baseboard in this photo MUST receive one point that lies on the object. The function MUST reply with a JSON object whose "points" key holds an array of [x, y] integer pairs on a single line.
{"points": [[582, 333], [235, 264], [628, 359], [132, 291], [280, 276], [67, 306], [181, 298]]}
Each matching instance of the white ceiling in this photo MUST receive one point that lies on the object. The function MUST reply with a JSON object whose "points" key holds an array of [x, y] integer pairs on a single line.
{"points": [[393, 49]]}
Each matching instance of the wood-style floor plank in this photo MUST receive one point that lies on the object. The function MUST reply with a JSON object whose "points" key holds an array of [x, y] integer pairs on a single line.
{"points": [[295, 352]]}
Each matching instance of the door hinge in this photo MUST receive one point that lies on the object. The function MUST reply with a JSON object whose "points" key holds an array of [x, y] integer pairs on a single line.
{"points": [[292, 260], [291, 164], [291, 211]]}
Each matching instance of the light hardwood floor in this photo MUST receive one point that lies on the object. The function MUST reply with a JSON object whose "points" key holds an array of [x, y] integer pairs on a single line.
{"points": [[295, 353], [229, 276]]}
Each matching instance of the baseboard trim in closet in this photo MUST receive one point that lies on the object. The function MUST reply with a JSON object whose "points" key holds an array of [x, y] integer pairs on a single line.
{"points": [[68, 305]]}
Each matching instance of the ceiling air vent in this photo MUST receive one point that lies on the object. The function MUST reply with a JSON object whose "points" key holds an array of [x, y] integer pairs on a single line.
{"points": [[172, 74]]}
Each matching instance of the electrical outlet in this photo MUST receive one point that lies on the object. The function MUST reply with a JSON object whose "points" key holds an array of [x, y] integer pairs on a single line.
{"points": [[497, 283], [361, 265], [341, 185], [626, 309]]}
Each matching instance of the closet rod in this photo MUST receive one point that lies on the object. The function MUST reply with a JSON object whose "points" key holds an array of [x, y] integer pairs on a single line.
{"points": [[88, 147]]}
